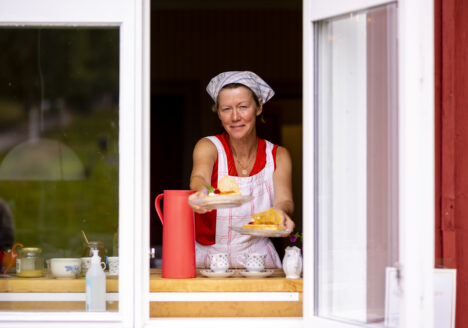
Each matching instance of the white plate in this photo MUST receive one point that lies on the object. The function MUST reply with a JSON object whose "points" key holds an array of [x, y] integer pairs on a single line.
{"points": [[261, 274], [212, 274], [222, 201], [262, 232]]}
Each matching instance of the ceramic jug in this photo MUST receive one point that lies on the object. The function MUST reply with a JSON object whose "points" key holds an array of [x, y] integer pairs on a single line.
{"points": [[178, 249], [292, 262], [9, 258]]}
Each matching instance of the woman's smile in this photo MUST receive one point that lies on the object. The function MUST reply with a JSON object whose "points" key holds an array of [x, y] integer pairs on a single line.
{"points": [[237, 126]]}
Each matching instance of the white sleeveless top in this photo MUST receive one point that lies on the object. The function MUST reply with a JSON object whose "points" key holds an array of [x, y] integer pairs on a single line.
{"points": [[260, 186]]}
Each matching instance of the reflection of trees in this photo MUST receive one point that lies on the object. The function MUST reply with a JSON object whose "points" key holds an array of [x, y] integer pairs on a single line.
{"points": [[60, 73], [52, 64]]}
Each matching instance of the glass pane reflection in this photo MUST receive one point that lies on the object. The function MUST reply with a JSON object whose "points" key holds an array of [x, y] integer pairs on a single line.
{"points": [[59, 154], [357, 162]]}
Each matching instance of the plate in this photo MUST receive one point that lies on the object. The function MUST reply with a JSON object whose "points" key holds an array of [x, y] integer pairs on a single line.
{"points": [[261, 274], [212, 274], [262, 232], [222, 201]]}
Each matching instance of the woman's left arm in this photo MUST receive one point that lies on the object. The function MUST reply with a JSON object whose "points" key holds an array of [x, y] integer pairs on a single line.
{"points": [[282, 180]]}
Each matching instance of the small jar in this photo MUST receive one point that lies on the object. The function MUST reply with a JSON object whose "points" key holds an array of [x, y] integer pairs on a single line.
{"points": [[30, 262], [99, 245]]}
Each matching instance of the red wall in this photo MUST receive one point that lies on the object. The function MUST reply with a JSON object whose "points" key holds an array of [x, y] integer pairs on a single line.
{"points": [[451, 117]]}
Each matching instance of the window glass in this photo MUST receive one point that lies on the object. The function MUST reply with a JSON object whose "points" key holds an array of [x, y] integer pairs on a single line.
{"points": [[356, 124], [59, 162]]}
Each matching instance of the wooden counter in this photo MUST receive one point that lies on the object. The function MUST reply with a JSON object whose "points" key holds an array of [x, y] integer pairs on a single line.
{"points": [[51, 285], [273, 296]]}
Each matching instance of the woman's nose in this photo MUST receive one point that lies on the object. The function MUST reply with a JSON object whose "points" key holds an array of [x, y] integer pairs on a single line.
{"points": [[235, 114]]}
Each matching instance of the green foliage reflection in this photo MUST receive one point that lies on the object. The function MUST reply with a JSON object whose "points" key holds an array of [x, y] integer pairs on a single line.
{"points": [[69, 76]]}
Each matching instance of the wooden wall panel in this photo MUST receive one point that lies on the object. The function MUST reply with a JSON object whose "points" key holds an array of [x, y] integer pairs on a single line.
{"points": [[461, 159], [451, 69]]}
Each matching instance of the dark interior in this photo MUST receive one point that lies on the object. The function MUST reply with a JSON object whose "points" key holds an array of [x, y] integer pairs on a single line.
{"points": [[191, 42]]}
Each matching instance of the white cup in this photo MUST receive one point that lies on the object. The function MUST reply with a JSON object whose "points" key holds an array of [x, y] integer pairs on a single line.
{"points": [[253, 262], [86, 263], [113, 262], [219, 262]]}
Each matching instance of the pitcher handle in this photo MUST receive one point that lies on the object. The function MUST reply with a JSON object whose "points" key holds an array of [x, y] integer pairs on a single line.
{"points": [[157, 206], [12, 258]]}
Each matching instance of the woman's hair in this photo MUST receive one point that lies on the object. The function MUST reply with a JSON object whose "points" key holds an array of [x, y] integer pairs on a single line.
{"points": [[7, 232], [234, 86]]}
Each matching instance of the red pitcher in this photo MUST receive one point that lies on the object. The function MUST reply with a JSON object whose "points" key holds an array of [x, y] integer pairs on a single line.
{"points": [[178, 249], [8, 259]]}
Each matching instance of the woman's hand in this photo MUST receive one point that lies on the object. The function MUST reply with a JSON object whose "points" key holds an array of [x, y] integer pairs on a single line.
{"points": [[287, 222], [196, 207]]}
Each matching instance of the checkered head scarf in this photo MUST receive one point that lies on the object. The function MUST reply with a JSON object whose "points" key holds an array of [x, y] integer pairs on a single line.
{"points": [[249, 79]]}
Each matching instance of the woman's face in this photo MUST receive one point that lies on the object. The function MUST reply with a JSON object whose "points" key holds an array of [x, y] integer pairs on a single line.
{"points": [[237, 111]]}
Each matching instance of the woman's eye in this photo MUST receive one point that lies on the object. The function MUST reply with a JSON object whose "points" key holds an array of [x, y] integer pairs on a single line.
{"points": [[225, 109], [243, 107]]}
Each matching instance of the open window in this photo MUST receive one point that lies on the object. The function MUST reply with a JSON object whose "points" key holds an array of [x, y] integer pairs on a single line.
{"points": [[359, 60], [124, 25], [71, 104]]}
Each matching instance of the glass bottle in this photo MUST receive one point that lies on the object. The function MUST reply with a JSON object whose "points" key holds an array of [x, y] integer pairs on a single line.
{"points": [[99, 245], [95, 285], [30, 262]]}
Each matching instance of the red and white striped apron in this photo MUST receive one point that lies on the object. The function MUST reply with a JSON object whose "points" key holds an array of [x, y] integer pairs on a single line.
{"points": [[260, 186]]}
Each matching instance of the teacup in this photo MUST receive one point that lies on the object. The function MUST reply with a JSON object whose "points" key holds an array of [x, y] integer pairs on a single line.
{"points": [[86, 263], [219, 262], [253, 262], [113, 262]]}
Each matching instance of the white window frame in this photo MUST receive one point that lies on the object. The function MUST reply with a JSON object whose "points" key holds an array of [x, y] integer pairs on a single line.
{"points": [[132, 19], [416, 166], [416, 152]]}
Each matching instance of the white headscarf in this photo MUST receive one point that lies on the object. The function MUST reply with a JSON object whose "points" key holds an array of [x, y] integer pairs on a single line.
{"points": [[249, 79]]}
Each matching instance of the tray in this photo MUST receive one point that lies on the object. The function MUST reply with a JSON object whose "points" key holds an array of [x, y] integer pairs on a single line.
{"points": [[222, 201], [262, 232]]}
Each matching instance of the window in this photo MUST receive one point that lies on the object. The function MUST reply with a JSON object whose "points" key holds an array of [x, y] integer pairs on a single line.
{"points": [[59, 159], [415, 169], [79, 66], [336, 39], [357, 163]]}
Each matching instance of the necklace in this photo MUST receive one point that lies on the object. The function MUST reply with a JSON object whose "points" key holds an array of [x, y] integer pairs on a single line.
{"points": [[244, 168]]}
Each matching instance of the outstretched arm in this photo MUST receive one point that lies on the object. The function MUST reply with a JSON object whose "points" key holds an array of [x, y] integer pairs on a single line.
{"points": [[204, 157]]}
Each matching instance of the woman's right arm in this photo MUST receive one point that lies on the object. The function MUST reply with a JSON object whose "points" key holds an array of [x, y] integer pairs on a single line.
{"points": [[204, 157]]}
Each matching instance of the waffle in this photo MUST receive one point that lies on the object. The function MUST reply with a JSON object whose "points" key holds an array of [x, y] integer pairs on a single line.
{"points": [[270, 219]]}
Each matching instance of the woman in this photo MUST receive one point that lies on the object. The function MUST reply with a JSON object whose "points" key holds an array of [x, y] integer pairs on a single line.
{"points": [[261, 169]]}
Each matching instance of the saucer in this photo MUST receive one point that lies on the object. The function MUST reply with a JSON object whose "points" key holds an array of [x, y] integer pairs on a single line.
{"points": [[261, 274], [212, 274]]}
